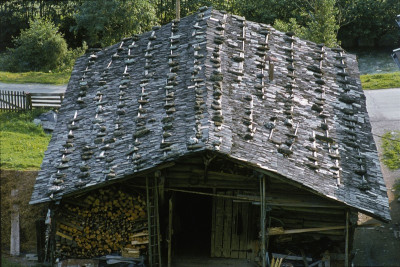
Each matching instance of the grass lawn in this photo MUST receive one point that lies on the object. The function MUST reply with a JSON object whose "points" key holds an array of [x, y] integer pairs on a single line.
{"points": [[380, 81], [391, 154], [22, 142], [35, 77], [391, 149]]}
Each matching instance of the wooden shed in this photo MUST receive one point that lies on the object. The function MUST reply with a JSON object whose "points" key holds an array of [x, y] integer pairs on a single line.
{"points": [[214, 137]]}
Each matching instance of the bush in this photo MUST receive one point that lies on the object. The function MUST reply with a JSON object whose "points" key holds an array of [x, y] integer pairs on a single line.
{"points": [[41, 48]]}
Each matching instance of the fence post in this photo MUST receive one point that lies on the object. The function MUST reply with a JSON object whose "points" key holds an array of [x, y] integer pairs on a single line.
{"points": [[14, 101], [28, 101], [8, 100]]}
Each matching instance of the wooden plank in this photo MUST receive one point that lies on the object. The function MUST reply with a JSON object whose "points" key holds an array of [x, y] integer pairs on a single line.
{"points": [[170, 216], [23, 100], [46, 105], [47, 94], [236, 226], [19, 100], [13, 101], [219, 225], [213, 220], [9, 100], [290, 257], [243, 242], [346, 252], [226, 246], [19, 103], [211, 183], [63, 235], [281, 231], [29, 101], [64, 222], [263, 222]]}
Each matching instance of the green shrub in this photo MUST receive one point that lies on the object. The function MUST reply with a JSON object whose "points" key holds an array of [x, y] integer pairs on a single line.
{"points": [[41, 48]]}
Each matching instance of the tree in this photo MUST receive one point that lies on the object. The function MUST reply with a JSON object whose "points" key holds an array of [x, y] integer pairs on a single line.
{"points": [[15, 16], [369, 21], [105, 22], [319, 20], [322, 26], [40, 48]]}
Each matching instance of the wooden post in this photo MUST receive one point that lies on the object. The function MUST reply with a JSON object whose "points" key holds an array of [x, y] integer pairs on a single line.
{"points": [[149, 221], [178, 9], [9, 100], [29, 101], [15, 240], [262, 222], [346, 253], [170, 232]]}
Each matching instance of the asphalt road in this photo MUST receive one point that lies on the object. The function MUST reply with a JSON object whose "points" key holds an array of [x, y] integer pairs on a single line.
{"points": [[33, 87], [384, 106]]}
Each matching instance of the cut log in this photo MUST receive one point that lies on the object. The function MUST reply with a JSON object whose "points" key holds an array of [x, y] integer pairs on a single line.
{"points": [[109, 221]]}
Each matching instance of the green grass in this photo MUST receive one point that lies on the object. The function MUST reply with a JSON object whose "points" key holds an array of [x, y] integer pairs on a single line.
{"points": [[57, 78], [16, 262], [380, 81], [8, 263], [22, 142], [391, 149]]}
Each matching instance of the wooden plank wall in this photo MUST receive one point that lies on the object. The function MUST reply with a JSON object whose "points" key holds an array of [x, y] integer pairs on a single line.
{"points": [[230, 234]]}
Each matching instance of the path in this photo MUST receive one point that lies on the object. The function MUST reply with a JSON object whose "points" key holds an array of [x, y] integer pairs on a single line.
{"points": [[380, 246], [33, 87]]}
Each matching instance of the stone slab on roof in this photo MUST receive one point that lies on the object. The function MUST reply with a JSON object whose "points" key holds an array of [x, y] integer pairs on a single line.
{"points": [[214, 81]]}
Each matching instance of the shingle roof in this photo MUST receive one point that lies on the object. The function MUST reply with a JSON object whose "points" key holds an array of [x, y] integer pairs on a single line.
{"points": [[214, 81]]}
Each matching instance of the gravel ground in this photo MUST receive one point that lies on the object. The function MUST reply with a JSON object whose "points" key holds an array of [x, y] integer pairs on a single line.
{"points": [[33, 87]]}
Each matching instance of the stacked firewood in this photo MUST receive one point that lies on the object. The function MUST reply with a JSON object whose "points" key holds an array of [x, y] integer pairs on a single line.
{"points": [[103, 222]]}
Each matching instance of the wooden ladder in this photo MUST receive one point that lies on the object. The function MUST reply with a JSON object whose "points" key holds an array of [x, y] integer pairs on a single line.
{"points": [[153, 221]]}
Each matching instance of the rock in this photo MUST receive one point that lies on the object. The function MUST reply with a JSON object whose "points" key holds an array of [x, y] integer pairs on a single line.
{"points": [[37, 121], [48, 120]]}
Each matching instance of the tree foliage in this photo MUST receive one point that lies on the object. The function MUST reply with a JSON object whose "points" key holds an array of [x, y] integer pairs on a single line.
{"points": [[41, 48], [105, 22], [15, 16], [319, 20], [369, 21]]}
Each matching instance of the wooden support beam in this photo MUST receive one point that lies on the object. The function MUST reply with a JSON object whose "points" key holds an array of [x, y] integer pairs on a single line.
{"points": [[346, 252], [170, 202], [263, 220], [281, 231], [290, 257], [178, 9]]}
